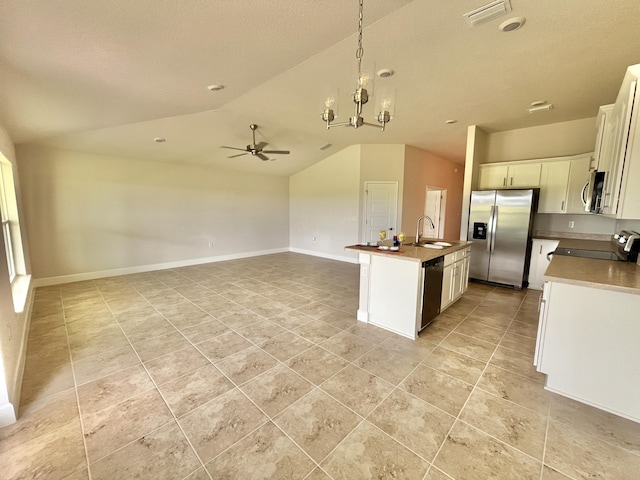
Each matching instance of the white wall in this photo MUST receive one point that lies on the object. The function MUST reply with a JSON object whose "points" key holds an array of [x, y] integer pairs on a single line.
{"points": [[89, 213], [13, 325], [324, 204], [544, 141]]}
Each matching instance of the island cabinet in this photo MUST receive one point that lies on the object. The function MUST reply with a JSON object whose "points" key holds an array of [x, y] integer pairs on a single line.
{"points": [[392, 284], [455, 277], [540, 249], [587, 346]]}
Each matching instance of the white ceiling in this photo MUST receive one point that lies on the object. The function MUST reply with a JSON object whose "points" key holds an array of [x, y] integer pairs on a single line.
{"points": [[108, 76]]}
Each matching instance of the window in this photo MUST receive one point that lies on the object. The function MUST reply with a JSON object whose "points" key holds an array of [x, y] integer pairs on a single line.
{"points": [[6, 189]]}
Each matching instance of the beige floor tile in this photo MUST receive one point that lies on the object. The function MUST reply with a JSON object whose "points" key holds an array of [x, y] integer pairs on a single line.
{"points": [[357, 389], [159, 346], [317, 364], [516, 362], [435, 474], [39, 418], [276, 389], [549, 473], [491, 316], [205, 330], [385, 364], [41, 380], [184, 316], [286, 346], [53, 456], [370, 332], [240, 319], [117, 425], [185, 393], [368, 453], [469, 346], [316, 331], [218, 306], [317, 423], [416, 350], [200, 474], [515, 425], [516, 388], [263, 454], [261, 331], [455, 364], [175, 364], [163, 454], [268, 309], [347, 345], [582, 456], [92, 368], [441, 390], [413, 422], [318, 474], [220, 423], [434, 334], [291, 319], [519, 343], [98, 394], [246, 364], [223, 345], [480, 332], [470, 454], [145, 328], [605, 426]]}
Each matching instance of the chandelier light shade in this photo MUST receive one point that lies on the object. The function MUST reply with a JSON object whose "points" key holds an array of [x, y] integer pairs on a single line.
{"points": [[385, 99]]}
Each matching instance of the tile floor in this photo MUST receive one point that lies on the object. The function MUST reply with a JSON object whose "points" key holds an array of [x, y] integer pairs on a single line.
{"points": [[257, 369]]}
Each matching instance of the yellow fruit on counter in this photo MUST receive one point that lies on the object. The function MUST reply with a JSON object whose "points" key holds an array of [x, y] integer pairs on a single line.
{"points": [[402, 237], [383, 234]]}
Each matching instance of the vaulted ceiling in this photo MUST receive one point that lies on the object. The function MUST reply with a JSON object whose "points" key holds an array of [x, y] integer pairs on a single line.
{"points": [[108, 76]]}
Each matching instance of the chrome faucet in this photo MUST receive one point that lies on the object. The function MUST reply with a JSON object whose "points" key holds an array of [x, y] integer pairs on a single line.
{"points": [[418, 235]]}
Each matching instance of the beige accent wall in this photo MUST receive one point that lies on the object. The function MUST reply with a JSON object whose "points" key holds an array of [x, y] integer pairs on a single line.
{"points": [[422, 169], [324, 205], [93, 213], [544, 141]]}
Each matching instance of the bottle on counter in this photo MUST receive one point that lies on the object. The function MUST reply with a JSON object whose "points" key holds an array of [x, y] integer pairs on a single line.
{"points": [[396, 242]]}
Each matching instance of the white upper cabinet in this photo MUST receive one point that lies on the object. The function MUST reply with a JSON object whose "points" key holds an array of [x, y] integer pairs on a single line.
{"points": [[603, 139], [509, 175], [553, 187], [621, 155]]}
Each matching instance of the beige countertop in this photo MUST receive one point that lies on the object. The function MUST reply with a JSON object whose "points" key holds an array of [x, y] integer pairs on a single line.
{"points": [[411, 253], [605, 274]]}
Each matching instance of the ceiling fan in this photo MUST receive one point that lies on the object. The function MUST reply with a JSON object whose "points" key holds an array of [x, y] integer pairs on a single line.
{"points": [[256, 149]]}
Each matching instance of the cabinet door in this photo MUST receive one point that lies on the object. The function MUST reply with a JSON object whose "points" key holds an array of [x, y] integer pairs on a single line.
{"points": [[539, 261], [604, 116], [458, 279], [553, 187], [578, 178], [493, 176], [447, 290], [526, 175]]}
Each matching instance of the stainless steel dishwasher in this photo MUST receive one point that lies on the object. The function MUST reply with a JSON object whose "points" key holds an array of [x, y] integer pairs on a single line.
{"points": [[432, 290]]}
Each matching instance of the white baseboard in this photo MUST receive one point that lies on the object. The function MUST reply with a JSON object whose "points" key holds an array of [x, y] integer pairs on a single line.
{"points": [[329, 256], [78, 277], [362, 316], [7, 415]]}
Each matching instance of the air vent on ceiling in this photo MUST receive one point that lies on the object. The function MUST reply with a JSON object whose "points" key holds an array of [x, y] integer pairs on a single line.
{"points": [[487, 12]]}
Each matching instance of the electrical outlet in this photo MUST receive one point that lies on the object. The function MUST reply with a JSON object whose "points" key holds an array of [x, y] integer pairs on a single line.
{"points": [[571, 224]]}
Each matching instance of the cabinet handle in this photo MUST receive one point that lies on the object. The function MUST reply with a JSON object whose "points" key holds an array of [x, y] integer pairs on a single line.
{"points": [[511, 182], [540, 249], [562, 207], [504, 182]]}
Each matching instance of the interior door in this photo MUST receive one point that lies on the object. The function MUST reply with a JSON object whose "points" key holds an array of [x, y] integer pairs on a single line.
{"points": [[381, 209], [434, 206]]}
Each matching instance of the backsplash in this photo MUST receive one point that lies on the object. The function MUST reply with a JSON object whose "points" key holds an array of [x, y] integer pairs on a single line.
{"points": [[582, 225]]}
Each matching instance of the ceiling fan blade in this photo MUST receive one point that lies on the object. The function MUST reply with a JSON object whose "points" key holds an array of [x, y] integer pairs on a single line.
{"points": [[235, 148], [277, 152], [238, 155], [261, 156], [261, 145]]}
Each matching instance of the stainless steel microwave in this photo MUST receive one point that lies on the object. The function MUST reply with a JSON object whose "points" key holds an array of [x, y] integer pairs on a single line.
{"points": [[593, 192]]}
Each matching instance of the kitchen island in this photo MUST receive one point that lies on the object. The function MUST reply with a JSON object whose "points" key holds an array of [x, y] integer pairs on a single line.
{"points": [[589, 332], [392, 283]]}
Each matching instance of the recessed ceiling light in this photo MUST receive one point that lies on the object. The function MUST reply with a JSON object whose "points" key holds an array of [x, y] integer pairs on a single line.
{"points": [[385, 73], [215, 88], [451, 122], [512, 24], [159, 140]]}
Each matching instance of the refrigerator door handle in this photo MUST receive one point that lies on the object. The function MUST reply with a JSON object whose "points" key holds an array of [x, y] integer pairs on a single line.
{"points": [[494, 221], [490, 230]]}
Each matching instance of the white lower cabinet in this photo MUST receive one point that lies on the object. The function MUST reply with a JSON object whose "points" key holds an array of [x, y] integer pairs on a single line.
{"points": [[455, 277], [539, 261], [587, 345]]}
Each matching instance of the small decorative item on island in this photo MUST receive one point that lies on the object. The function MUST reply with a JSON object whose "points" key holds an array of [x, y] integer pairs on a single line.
{"points": [[401, 238], [395, 241], [382, 235]]}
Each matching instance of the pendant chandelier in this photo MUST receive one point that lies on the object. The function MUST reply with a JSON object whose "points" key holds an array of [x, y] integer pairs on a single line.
{"points": [[385, 101]]}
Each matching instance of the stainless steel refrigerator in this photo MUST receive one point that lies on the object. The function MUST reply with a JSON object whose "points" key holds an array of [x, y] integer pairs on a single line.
{"points": [[500, 226]]}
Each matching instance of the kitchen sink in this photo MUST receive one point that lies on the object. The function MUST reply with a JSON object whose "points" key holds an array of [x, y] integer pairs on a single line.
{"points": [[432, 244]]}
